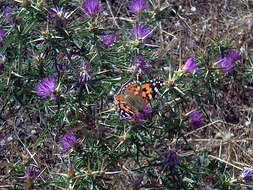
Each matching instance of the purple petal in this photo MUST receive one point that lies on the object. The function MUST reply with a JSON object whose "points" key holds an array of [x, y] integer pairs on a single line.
{"points": [[31, 172], [226, 65], [140, 32], [137, 6], [147, 110], [247, 174], [190, 65], [46, 87], [196, 119], [233, 55], [107, 39], [141, 65], [8, 12], [171, 158], [68, 141], [2, 32], [91, 7]]}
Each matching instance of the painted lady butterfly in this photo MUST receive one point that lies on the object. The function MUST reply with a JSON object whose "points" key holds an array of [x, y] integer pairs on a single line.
{"points": [[135, 96]]}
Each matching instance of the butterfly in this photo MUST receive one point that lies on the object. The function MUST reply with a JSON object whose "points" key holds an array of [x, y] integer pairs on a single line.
{"points": [[134, 96]]}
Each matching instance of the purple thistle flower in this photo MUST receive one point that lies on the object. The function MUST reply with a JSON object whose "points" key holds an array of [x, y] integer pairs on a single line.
{"points": [[107, 39], [91, 7], [2, 59], [147, 110], [84, 76], [226, 65], [62, 66], [227, 62], [68, 141], [7, 13], [247, 174], [171, 158], [190, 65], [31, 173], [2, 32], [58, 16], [134, 182], [139, 116], [140, 32], [196, 119], [137, 6], [85, 65], [141, 65], [233, 55], [46, 88]]}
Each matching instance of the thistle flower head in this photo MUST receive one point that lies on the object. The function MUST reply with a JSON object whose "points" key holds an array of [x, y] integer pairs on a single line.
{"points": [[7, 13], [233, 55], [171, 158], [91, 7], [62, 66], [247, 174], [196, 119], [2, 59], [141, 65], [31, 173], [147, 110], [137, 6], [134, 182], [227, 62], [107, 39], [139, 116], [140, 32], [68, 141], [58, 16], [84, 76], [46, 87], [227, 65], [190, 65]]}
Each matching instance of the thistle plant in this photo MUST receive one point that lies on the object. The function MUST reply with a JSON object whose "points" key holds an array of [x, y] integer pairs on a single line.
{"points": [[101, 96]]}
